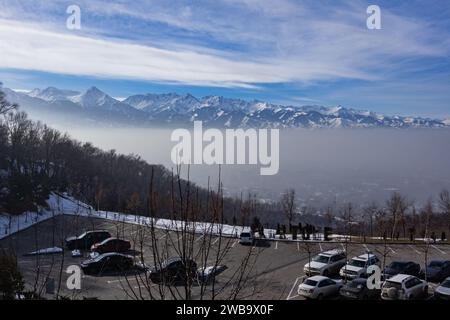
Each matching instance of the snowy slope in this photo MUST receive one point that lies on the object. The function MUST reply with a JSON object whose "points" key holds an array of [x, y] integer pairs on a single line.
{"points": [[64, 204]]}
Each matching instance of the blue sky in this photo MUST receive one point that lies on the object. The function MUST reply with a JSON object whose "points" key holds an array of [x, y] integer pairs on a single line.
{"points": [[287, 52]]}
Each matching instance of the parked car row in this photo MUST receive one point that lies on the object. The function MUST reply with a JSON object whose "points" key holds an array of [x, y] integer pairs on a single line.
{"points": [[333, 262], [107, 252], [108, 255], [402, 280], [399, 287]]}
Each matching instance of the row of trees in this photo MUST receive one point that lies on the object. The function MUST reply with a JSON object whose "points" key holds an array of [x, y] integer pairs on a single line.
{"points": [[36, 159], [397, 218]]}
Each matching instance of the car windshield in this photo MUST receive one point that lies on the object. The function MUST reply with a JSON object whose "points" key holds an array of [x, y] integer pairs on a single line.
{"points": [[320, 258], [98, 258], [245, 234], [355, 284], [436, 264], [310, 282], [82, 235], [446, 284], [389, 284], [358, 263], [106, 241], [397, 265]]}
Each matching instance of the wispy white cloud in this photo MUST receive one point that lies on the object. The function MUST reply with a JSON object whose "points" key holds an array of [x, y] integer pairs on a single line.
{"points": [[30, 47], [230, 43]]}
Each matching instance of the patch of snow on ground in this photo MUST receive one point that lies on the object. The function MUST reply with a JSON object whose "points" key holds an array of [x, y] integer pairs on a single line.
{"points": [[46, 251], [65, 204]]}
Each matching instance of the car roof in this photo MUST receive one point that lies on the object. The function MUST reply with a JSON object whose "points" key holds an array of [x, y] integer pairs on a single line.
{"points": [[172, 260], [359, 280], [331, 252], [92, 231], [399, 278], [317, 278], [113, 254], [365, 256], [401, 262], [114, 238]]}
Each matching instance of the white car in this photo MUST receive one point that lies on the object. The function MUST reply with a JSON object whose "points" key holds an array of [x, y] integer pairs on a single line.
{"points": [[443, 291], [325, 263], [246, 238], [404, 287], [319, 287], [357, 266]]}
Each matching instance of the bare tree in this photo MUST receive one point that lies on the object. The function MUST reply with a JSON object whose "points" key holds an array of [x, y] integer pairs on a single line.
{"points": [[288, 204], [427, 214], [381, 218], [203, 243], [397, 206], [5, 106], [347, 217], [444, 204], [370, 214], [329, 216]]}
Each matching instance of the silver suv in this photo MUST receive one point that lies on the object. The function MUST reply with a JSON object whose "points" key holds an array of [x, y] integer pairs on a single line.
{"points": [[357, 266], [404, 287], [326, 263]]}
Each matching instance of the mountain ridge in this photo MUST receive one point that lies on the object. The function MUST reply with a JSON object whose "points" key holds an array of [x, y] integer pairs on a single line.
{"points": [[218, 111]]}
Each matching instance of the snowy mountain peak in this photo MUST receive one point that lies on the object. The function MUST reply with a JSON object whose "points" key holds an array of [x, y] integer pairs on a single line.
{"points": [[52, 94], [95, 93], [93, 97], [34, 93], [163, 103]]}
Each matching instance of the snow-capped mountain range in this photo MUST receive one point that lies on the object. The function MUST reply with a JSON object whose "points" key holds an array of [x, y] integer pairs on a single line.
{"points": [[178, 109]]}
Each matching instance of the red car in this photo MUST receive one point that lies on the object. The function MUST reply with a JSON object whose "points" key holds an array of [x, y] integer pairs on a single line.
{"points": [[111, 245]]}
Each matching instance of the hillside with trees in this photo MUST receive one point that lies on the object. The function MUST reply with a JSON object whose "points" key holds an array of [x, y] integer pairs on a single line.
{"points": [[36, 160]]}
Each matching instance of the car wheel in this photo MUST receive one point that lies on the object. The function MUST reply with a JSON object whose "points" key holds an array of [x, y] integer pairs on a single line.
{"points": [[365, 297], [320, 296], [425, 291]]}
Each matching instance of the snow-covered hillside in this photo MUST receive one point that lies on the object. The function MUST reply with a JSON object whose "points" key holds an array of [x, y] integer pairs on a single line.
{"points": [[65, 205]]}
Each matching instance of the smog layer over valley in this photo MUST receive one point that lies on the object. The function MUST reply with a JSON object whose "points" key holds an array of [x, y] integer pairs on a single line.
{"points": [[323, 165]]}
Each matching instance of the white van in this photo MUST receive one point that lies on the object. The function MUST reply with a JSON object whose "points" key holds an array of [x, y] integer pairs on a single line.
{"points": [[246, 238]]}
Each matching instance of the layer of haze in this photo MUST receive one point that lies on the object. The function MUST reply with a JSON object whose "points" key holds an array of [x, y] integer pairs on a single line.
{"points": [[324, 166]]}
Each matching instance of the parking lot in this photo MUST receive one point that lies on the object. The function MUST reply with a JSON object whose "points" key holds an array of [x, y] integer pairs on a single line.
{"points": [[276, 274]]}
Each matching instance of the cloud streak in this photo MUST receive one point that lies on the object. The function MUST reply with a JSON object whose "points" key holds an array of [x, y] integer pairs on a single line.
{"points": [[30, 47], [245, 44]]}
